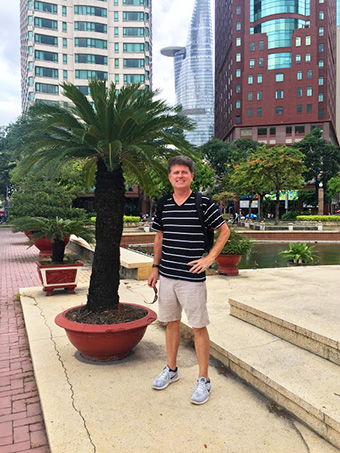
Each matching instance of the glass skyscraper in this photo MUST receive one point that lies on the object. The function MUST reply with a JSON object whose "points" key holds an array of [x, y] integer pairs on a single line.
{"points": [[193, 71]]}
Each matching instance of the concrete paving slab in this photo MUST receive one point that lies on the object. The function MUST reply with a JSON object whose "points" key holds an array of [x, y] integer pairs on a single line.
{"points": [[111, 407]]}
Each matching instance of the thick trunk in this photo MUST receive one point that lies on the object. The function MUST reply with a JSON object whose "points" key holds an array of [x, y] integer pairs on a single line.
{"points": [[58, 251], [110, 207]]}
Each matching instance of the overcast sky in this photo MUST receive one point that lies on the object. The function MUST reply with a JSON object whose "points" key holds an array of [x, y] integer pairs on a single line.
{"points": [[171, 20]]}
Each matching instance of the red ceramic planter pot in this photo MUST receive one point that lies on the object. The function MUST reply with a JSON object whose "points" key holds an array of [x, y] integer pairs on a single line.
{"points": [[228, 264], [105, 342], [44, 245]]}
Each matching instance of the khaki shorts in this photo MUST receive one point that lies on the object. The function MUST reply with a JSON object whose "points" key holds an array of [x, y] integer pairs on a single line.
{"points": [[177, 295]]}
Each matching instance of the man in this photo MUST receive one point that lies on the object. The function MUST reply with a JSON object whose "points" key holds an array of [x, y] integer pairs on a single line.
{"points": [[180, 265]]}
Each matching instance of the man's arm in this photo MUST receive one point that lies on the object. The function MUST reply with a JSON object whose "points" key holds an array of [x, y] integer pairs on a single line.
{"points": [[206, 261], [157, 254]]}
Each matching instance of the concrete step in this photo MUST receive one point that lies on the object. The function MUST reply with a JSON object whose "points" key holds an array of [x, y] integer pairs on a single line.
{"points": [[313, 338], [301, 382]]}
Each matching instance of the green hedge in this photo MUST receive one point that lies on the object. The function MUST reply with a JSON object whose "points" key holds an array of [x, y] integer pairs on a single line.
{"points": [[127, 219], [319, 218]]}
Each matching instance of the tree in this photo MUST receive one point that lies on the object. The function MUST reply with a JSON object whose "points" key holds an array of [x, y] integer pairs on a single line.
{"points": [[123, 133], [320, 158], [217, 153], [270, 170]]}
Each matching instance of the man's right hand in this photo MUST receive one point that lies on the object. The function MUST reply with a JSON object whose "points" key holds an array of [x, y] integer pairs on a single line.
{"points": [[152, 280]]}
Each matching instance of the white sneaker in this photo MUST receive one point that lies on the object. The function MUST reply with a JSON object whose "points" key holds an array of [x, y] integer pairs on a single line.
{"points": [[202, 391], [165, 378]]}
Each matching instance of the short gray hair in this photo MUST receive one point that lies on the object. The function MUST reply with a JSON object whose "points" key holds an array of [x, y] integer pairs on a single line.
{"points": [[181, 160]]}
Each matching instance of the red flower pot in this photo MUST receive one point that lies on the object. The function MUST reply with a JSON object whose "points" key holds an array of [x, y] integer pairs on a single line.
{"points": [[105, 342], [56, 276], [44, 245], [228, 264]]}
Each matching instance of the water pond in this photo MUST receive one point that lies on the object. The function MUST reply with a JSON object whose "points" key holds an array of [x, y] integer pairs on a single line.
{"points": [[267, 254]]}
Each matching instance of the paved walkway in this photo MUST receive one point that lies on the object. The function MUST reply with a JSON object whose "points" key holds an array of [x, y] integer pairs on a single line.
{"points": [[21, 423]]}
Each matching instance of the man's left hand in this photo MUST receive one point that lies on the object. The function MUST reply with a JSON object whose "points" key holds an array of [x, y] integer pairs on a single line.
{"points": [[201, 265]]}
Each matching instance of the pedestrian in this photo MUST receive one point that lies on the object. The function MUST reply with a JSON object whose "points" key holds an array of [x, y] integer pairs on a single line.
{"points": [[180, 264]]}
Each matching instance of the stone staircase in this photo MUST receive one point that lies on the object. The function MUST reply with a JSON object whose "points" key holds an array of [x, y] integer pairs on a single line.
{"points": [[296, 364]]}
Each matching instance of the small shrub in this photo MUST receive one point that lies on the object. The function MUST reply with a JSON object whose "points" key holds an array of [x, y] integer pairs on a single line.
{"points": [[300, 253]]}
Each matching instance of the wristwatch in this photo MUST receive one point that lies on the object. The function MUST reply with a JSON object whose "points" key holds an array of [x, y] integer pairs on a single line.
{"points": [[155, 265]]}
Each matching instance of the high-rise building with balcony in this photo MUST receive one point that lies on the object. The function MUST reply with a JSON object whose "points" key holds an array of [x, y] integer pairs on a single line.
{"points": [[77, 40], [275, 71], [194, 73]]}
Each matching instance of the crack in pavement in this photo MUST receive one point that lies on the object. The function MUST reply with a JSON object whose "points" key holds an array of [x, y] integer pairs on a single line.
{"points": [[65, 373]]}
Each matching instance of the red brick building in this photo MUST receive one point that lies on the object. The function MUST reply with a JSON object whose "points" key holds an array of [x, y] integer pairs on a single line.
{"points": [[275, 74]]}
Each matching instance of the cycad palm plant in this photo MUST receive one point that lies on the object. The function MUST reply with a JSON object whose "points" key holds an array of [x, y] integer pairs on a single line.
{"points": [[121, 132]]}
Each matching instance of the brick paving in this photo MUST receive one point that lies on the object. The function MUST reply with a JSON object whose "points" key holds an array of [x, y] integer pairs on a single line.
{"points": [[21, 422]]}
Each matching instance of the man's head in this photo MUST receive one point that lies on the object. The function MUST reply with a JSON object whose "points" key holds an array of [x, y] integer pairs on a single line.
{"points": [[181, 160], [181, 173]]}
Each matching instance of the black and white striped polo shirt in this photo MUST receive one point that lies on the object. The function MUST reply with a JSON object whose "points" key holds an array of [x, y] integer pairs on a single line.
{"points": [[183, 239]]}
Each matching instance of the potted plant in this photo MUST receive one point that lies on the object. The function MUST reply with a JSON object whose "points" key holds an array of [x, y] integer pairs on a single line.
{"points": [[231, 254], [119, 132], [56, 273], [300, 253]]}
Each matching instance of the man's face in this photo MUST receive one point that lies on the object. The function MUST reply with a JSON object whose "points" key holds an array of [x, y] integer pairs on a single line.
{"points": [[180, 177]]}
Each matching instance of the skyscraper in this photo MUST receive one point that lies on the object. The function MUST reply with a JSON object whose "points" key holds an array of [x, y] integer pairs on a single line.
{"points": [[77, 40], [194, 73], [275, 72]]}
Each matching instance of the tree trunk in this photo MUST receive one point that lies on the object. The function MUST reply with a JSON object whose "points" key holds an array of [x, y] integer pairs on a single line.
{"points": [[58, 251], [277, 208], [110, 207]]}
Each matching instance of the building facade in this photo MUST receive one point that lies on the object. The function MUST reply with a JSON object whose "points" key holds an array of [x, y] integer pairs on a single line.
{"points": [[275, 69], [194, 73], [77, 40]]}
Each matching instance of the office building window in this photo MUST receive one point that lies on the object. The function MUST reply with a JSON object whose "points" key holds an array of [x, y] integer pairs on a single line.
{"points": [[238, 10], [308, 58], [309, 91], [262, 131], [88, 75], [261, 45], [90, 11], [250, 112], [46, 23], [64, 58], [299, 129], [116, 78], [251, 63], [321, 48], [299, 108], [250, 79], [272, 131], [238, 104], [320, 80], [65, 74], [259, 78], [299, 93], [299, 75], [320, 113], [320, 63], [238, 26], [64, 26], [321, 31], [321, 15], [133, 31], [298, 58], [298, 41], [309, 108], [46, 56], [238, 57], [279, 94], [259, 111], [261, 62], [64, 43], [279, 110], [238, 42], [238, 88], [279, 77], [238, 72], [320, 97], [64, 10], [116, 16], [252, 46], [259, 95], [133, 16], [289, 130], [309, 73], [250, 95], [134, 78], [308, 40], [46, 88], [46, 7]]}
